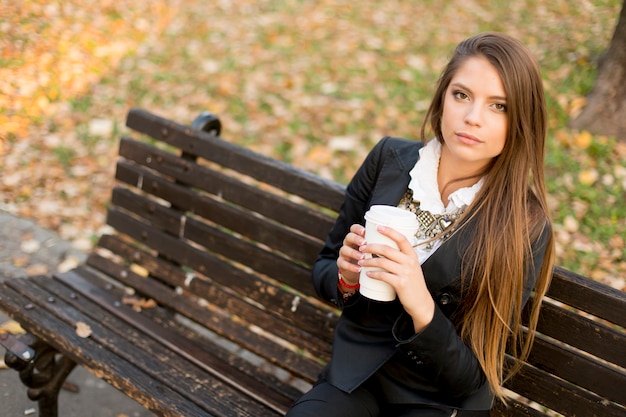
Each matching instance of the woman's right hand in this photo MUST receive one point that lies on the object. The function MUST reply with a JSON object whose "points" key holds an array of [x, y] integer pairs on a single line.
{"points": [[349, 254]]}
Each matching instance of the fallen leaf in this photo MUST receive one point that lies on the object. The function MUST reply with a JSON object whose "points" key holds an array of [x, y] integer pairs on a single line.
{"points": [[570, 224], [138, 304], [588, 176], [12, 327], [584, 139], [576, 106], [83, 330], [20, 260], [139, 270], [37, 269]]}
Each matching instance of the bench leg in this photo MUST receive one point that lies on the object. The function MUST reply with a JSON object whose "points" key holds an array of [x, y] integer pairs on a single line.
{"points": [[44, 374]]}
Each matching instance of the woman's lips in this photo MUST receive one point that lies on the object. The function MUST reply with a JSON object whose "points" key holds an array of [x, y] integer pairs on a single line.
{"points": [[467, 138]]}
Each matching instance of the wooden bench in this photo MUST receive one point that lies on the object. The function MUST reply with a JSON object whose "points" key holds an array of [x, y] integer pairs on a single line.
{"points": [[201, 303]]}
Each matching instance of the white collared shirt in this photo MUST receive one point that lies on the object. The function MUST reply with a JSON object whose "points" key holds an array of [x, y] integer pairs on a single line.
{"points": [[426, 190]]}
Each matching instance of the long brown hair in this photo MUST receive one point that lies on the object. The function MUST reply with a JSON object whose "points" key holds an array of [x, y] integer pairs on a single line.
{"points": [[508, 214]]}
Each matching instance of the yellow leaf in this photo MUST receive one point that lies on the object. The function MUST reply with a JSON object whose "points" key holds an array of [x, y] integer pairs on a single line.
{"points": [[139, 270], [12, 327], [583, 139], [83, 330], [588, 176], [576, 106]]}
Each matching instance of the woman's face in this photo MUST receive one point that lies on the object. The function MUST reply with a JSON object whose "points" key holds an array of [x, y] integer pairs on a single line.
{"points": [[474, 119]]}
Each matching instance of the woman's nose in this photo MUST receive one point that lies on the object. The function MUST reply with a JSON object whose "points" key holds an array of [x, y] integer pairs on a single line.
{"points": [[473, 117]]}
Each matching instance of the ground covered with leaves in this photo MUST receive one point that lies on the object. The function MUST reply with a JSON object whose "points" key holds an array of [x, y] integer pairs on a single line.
{"points": [[315, 83]]}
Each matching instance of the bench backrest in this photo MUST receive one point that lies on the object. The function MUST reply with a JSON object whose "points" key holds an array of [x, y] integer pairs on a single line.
{"points": [[213, 230]]}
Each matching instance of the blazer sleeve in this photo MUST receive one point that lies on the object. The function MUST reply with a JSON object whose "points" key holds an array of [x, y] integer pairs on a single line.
{"points": [[353, 208], [440, 351]]}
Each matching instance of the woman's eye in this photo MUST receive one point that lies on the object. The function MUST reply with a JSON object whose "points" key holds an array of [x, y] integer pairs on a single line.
{"points": [[500, 107], [460, 95]]}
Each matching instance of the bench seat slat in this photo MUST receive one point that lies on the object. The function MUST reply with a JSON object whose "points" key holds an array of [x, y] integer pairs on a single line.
{"points": [[514, 408], [132, 342], [163, 318], [219, 299], [579, 369], [136, 382], [304, 313], [559, 395], [212, 148], [229, 329], [194, 354]]}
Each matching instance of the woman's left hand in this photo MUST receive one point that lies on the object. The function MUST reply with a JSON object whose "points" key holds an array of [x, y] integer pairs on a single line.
{"points": [[401, 269]]}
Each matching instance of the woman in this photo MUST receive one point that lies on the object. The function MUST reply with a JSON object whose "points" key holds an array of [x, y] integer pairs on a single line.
{"points": [[484, 245]]}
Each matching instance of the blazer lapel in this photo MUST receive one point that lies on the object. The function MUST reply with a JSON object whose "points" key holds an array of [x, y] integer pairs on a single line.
{"points": [[394, 178]]}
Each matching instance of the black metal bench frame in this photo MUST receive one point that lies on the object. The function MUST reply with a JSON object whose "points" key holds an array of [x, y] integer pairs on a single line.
{"points": [[214, 243]]}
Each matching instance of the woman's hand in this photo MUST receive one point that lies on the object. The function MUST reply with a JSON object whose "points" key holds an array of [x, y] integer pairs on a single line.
{"points": [[401, 270], [349, 254]]}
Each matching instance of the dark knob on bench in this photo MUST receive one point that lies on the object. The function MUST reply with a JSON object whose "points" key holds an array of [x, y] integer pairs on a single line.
{"points": [[207, 122]]}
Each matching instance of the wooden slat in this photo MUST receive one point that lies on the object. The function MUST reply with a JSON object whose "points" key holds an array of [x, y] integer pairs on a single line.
{"points": [[164, 318], [203, 337], [164, 362], [264, 262], [277, 173], [125, 376], [311, 317], [561, 396], [588, 295], [273, 235], [515, 408], [236, 331], [583, 333], [579, 369], [193, 353], [261, 200], [260, 318]]}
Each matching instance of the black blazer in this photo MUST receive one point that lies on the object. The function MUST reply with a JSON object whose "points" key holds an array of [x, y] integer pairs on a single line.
{"points": [[377, 339]]}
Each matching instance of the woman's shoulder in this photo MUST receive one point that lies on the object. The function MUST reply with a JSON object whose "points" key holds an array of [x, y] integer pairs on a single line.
{"points": [[397, 143], [404, 150]]}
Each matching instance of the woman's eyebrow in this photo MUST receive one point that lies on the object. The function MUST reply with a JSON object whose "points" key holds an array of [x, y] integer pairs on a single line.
{"points": [[466, 88]]}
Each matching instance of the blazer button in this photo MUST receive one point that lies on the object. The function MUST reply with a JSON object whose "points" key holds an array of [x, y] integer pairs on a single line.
{"points": [[445, 298]]}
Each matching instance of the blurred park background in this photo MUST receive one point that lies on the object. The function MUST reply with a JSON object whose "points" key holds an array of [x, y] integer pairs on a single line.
{"points": [[314, 83]]}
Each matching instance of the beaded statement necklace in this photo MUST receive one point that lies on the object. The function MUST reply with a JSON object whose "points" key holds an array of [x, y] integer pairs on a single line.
{"points": [[430, 225]]}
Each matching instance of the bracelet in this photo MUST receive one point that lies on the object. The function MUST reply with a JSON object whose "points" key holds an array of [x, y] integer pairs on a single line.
{"points": [[344, 284]]}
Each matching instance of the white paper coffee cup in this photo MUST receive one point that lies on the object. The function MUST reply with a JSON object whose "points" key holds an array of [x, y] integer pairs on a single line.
{"points": [[396, 218]]}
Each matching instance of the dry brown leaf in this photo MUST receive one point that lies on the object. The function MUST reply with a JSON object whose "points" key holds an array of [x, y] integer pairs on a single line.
{"points": [[138, 304], [83, 330]]}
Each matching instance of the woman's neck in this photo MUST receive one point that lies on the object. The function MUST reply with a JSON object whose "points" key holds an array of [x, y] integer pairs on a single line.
{"points": [[453, 175]]}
